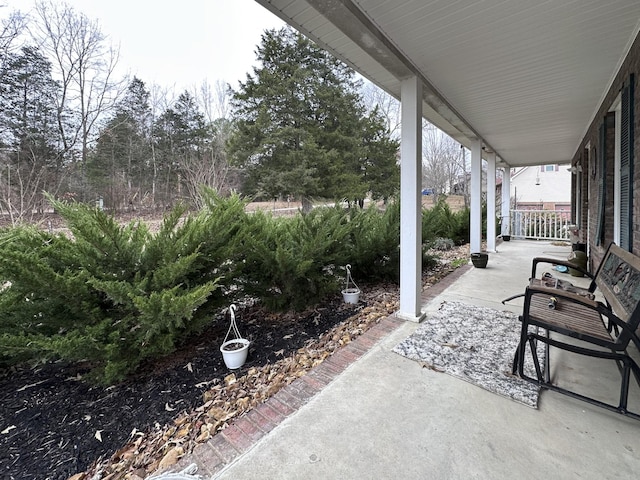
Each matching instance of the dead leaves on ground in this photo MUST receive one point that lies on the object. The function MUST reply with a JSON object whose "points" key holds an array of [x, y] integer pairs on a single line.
{"points": [[235, 395]]}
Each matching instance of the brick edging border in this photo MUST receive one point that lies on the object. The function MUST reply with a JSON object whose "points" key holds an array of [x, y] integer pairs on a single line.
{"points": [[434, 290], [244, 432]]}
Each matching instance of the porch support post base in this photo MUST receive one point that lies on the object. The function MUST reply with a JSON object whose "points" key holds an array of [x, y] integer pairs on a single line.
{"points": [[410, 318]]}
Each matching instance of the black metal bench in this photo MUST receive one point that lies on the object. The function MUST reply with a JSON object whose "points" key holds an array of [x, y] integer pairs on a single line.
{"points": [[577, 323]]}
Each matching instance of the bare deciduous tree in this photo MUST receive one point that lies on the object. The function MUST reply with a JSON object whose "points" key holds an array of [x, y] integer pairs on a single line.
{"points": [[213, 100], [211, 170], [440, 160], [388, 106], [10, 29], [84, 64], [21, 189]]}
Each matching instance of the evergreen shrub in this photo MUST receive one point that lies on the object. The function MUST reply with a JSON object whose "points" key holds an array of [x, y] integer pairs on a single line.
{"points": [[115, 296], [374, 242], [441, 222], [108, 294], [291, 262]]}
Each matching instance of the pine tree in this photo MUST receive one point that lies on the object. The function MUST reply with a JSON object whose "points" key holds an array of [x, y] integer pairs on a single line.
{"points": [[28, 132], [379, 165], [119, 164], [300, 123], [181, 139]]}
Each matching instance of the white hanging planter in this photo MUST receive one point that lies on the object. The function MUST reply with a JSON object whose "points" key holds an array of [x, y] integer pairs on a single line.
{"points": [[234, 350], [351, 292], [351, 295]]}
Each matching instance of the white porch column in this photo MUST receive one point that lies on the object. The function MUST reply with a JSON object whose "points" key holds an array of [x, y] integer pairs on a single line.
{"points": [[475, 221], [506, 202], [411, 201], [491, 202]]}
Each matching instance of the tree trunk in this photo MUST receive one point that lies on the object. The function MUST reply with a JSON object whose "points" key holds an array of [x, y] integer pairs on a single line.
{"points": [[307, 206]]}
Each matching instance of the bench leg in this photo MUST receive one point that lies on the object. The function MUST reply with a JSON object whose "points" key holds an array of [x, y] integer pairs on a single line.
{"points": [[518, 362], [624, 387], [547, 360], [533, 344], [628, 365]]}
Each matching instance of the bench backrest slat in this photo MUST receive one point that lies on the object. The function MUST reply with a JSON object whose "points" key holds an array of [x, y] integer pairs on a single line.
{"points": [[618, 278]]}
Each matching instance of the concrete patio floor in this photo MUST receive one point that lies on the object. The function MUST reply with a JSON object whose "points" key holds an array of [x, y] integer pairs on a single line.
{"points": [[386, 417]]}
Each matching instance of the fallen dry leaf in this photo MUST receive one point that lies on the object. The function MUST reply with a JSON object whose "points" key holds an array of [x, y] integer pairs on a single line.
{"points": [[172, 457], [168, 433], [181, 420], [184, 430], [218, 413], [230, 379], [133, 476], [432, 367], [243, 403], [8, 429], [203, 437]]}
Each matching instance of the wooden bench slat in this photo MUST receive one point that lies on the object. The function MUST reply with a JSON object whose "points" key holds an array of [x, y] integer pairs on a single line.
{"points": [[569, 316]]}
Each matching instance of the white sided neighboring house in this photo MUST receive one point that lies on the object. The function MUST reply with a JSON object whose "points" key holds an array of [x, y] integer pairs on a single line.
{"points": [[543, 187]]}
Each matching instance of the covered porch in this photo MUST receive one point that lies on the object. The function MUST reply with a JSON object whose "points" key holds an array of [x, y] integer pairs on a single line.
{"points": [[386, 416], [517, 83]]}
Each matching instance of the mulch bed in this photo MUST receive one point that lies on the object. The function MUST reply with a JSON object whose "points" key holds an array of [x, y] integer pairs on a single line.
{"points": [[54, 425], [56, 416]]}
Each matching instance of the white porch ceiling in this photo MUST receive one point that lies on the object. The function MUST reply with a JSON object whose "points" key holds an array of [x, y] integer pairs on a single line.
{"points": [[524, 76]]}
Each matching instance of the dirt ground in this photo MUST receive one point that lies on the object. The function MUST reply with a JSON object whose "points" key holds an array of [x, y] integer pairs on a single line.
{"points": [[53, 222]]}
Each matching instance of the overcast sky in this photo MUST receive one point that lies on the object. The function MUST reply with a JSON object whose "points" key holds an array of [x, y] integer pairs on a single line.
{"points": [[179, 42]]}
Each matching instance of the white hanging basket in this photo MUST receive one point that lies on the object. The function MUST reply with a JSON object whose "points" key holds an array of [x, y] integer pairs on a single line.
{"points": [[351, 295], [234, 350], [351, 292]]}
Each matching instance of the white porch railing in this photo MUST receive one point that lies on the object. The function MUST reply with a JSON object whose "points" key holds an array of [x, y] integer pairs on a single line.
{"points": [[540, 224]]}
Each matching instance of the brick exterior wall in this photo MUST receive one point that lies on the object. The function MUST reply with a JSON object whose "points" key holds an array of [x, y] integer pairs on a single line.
{"points": [[631, 65]]}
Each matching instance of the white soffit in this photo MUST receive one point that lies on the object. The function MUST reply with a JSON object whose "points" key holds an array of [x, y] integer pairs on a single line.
{"points": [[525, 76]]}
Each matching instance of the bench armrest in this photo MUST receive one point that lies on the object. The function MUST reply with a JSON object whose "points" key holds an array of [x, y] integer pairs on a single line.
{"points": [[566, 295], [555, 261]]}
